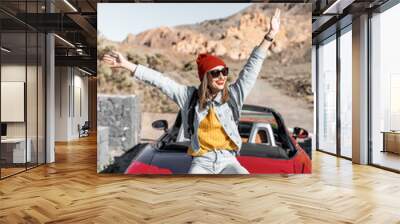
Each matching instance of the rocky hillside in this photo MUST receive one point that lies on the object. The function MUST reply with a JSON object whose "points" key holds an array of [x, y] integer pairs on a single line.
{"points": [[234, 36], [172, 50]]}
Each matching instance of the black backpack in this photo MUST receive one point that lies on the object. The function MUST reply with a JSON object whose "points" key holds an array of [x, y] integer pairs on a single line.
{"points": [[191, 110]]}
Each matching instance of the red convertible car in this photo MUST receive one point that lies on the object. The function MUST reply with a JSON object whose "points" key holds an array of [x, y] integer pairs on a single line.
{"points": [[267, 148]]}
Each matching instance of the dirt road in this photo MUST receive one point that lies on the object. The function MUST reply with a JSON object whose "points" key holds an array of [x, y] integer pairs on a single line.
{"points": [[294, 111]]}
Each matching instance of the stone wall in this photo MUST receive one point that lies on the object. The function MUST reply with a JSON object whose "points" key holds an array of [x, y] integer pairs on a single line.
{"points": [[103, 157], [122, 116]]}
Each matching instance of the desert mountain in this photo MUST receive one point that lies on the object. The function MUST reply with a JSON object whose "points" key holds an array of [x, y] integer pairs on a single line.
{"points": [[234, 36]]}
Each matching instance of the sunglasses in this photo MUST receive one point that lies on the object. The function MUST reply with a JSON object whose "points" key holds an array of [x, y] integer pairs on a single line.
{"points": [[215, 73]]}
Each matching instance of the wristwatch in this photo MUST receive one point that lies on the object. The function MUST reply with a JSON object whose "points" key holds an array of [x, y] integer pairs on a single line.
{"points": [[268, 38]]}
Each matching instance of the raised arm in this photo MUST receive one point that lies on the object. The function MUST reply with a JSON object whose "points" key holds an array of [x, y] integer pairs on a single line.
{"points": [[175, 91], [248, 75]]}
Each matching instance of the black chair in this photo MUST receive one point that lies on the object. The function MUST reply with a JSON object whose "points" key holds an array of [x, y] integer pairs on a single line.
{"points": [[84, 130]]}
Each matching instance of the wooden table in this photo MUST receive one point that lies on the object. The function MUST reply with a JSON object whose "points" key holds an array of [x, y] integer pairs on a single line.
{"points": [[391, 141]]}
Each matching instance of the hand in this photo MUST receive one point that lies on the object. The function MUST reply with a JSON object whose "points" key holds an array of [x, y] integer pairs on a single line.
{"points": [[275, 23], [114, 60]]}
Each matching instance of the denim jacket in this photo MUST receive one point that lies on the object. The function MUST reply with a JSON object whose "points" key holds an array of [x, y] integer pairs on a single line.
{"points": [[181, 94]]}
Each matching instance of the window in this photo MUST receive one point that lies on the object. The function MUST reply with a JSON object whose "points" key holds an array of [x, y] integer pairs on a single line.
{"points": [[327, 95], [262, 137], [345, 93], [385, 89], [22, 74]]}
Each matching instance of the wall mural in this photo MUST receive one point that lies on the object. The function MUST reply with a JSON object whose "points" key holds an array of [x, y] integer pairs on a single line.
{"points": [[204, 88]]}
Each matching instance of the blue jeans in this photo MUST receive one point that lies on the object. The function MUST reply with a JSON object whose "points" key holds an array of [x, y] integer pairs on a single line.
{"points": [[217, 162]]}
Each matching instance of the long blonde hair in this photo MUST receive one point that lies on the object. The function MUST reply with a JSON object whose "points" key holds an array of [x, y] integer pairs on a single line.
{"points": [[205, 93]]}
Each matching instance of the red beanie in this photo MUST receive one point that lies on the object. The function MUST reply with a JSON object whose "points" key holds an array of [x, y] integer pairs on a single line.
{"points": [[206, 62]]}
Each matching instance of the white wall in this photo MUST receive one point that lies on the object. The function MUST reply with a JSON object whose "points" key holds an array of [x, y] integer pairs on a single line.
{"points": [[33, 126], [80, 83], [16, 73], [12, 73], [62, 81], [69, 82]]}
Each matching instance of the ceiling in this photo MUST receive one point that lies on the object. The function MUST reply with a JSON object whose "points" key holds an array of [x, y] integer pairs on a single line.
{"points": [[75, 22], [332, 15]]}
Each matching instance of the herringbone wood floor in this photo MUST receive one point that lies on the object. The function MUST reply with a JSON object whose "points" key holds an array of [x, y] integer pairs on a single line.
{"points": [[70, 191]]}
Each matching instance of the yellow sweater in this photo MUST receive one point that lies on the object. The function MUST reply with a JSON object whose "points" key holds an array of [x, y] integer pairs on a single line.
{"points": [[212, 135]]}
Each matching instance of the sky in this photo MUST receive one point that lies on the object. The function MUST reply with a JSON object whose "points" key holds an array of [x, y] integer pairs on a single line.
{"points": [[116, 20]]}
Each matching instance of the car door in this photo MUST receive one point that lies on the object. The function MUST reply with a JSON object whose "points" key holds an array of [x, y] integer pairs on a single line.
{"points": [[261, 155], [176, 161], [263, 159], [173, 157]]}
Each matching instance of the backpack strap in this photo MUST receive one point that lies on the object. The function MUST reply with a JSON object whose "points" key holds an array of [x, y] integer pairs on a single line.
{"points": [[234, 108], [192, 112]]}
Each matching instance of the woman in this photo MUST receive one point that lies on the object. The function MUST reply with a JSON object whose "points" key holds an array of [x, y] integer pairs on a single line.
{"points": [[215, 141]]}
